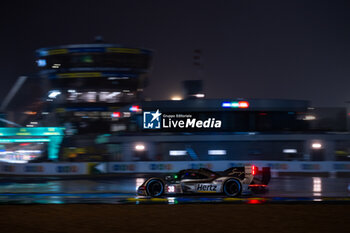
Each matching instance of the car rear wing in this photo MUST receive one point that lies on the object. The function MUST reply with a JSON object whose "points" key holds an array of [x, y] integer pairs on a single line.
{"points": [[249, 170], [261, 175], [239, 172], [232, 170]]}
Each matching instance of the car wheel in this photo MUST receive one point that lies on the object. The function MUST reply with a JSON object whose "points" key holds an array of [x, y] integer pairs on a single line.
{"points": [[155, 188], [232, 188]]}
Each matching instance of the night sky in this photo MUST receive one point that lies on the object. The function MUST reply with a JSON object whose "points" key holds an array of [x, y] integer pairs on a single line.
{"points": [[252, 49]]}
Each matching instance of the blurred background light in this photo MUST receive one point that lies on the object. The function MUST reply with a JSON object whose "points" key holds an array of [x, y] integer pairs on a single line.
{"points": [[54, 93], [176, 98], [217, 152], [140, 147], [316, 145]]}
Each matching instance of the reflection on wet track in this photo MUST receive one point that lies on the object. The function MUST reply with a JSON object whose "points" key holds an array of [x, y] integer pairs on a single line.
{"points": [[122, 190]]}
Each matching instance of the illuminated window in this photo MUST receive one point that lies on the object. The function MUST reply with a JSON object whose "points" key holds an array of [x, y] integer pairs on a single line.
{"points": [[109, 97], [140, 147], [316, 145], [177, 152], [86, 97], [290, 151], [217, 152]]}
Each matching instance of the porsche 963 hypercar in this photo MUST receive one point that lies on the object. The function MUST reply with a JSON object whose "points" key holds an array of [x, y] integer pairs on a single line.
{"points": [[231, 182]]}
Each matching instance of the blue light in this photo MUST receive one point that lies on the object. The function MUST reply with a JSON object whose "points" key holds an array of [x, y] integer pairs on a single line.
{"points": [[235, 104], [43, 53], [226, 105], [135, 108], [41, 62]]}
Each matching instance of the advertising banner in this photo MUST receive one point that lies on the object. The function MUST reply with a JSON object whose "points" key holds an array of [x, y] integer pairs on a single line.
{"points": [[86, 168]]}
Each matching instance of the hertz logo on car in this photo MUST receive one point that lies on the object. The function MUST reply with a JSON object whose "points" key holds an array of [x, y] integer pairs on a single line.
{"points": [[206, 188]]}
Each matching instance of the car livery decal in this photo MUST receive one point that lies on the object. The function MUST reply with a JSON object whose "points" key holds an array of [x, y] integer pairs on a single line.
{"points": [[206, 188]]}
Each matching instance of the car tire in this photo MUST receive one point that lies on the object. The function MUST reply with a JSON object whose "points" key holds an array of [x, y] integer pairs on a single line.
{"points": [[232, 187], [155, 188]]}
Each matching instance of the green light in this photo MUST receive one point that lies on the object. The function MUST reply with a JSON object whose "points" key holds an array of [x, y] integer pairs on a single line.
{"points": [[100, 139], [236, 104], [33, 131], [175, 176], [52, 135], [13, 140]]}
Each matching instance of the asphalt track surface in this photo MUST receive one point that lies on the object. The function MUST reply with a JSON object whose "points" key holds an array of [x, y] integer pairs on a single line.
{"points": [[203, 218], [122, 191], [293, 204]]}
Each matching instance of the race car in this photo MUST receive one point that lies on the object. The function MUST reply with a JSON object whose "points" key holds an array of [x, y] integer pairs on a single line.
{"points": [[232, 182]]}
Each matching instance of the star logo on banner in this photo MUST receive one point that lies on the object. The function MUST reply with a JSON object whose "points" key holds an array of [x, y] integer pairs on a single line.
{"points": [[156, 115]]}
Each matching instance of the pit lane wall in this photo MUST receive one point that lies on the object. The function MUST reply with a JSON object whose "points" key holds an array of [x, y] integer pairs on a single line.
{"points": [[88, 168], [46, 169]]}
